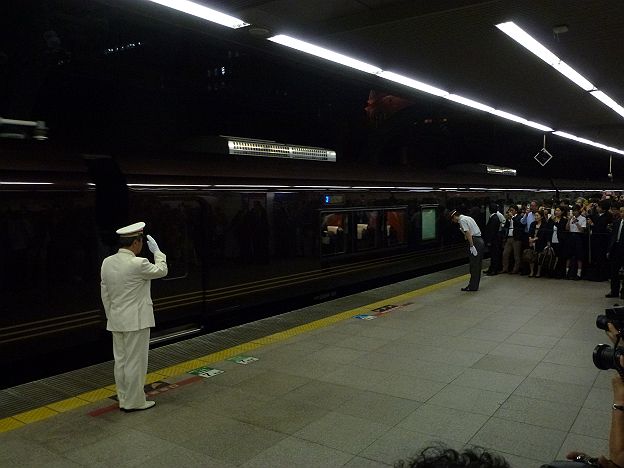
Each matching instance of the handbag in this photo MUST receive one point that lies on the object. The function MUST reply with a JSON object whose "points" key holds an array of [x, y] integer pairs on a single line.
{"points": [[529, 255], [547, 259]]}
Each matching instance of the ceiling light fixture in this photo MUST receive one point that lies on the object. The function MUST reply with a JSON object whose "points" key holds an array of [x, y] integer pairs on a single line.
{"points": [[569, 136], [25, 183], [527, 41], [324, 53], [538, 49], [533, 46], [607, 101], [200, 11], [171, 185], [419, 85], [470, 103]]}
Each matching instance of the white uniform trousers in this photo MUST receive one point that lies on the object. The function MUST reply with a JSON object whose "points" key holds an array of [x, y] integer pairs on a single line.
{"points": [[131, 352]]}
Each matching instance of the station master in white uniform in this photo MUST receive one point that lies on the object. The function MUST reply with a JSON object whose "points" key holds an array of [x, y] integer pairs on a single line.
{"points": [[126, 281]]}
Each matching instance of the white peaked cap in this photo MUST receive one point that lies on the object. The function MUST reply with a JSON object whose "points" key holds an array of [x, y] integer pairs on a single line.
{"points": [[132, 230]]}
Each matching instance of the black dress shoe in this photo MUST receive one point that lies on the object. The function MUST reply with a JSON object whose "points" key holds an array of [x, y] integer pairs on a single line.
{"points": [[468, 289], [612, 295]]}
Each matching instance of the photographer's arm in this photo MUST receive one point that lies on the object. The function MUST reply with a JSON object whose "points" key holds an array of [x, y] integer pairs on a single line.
{"points": [[616, 435], [616, 432]]}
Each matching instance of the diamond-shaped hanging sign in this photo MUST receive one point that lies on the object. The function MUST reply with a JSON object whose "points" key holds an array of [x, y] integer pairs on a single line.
{"points": [[543, 156]]}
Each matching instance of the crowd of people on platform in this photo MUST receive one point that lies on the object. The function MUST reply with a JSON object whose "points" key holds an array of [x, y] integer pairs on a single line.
{"points": [[575, 240]]}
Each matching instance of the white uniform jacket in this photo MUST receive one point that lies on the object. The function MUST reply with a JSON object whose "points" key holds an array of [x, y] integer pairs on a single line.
{"points": [[126, 281]]}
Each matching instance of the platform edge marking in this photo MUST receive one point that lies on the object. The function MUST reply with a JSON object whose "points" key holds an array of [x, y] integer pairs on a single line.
{"points": [[8, 424]]}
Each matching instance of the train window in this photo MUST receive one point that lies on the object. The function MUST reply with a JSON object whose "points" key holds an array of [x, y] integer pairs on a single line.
{"points": [[429, 223], [395, 228], [48, 253], [366, 230], [334, 233], [169, 220]]}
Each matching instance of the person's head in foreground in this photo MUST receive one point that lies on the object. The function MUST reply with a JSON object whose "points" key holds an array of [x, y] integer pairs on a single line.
{"points": [[444, 457]]}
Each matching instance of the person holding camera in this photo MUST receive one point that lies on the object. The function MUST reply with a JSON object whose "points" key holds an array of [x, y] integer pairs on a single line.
{"points": [[512, 240], [616, 432], [538, 240], [576, 227]]}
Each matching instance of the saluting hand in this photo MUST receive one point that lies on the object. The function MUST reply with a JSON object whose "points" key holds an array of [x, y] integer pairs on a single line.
{"points": [[152, 245]]}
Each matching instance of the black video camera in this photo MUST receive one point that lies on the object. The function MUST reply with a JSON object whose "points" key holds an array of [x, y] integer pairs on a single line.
{"points": [[581, 461], [606, 357], [615, 315]]}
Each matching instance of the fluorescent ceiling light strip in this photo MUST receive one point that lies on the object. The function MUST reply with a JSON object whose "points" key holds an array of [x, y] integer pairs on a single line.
{"points": [[607, 101], [522, 120], [200, 11], [372, 187], [539, 126], [524, 39], [420, 86], [509, 28], [470, 103], [324, 53], [533, 46], [26, 183], [251, 186], [169, 185], [587, 142], [322, 186]]}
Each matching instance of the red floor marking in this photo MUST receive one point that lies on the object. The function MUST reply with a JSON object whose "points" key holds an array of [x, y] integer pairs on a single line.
{"points": [[115, 407]]}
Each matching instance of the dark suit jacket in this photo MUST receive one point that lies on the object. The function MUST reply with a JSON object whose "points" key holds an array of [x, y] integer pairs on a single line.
{"points": [[613, 237], [542, 235], [518, 228], [492, 228], [601, 223]]}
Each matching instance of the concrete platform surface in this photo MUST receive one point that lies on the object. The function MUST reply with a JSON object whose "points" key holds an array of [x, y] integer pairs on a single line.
{"points": [[508, 368]]}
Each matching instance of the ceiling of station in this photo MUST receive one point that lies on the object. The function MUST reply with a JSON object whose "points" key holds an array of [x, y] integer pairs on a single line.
{"points": [[454, 45], [91, 80]]}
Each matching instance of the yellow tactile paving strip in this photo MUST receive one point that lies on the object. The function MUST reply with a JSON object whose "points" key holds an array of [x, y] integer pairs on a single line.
{"points": [[52, 409]]}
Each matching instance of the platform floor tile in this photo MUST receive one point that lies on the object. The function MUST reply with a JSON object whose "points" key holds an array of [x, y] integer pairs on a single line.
{"points": [[490, 369], [400, 443], [294, 451], [336, 430], [438, 421], [520, 439]]}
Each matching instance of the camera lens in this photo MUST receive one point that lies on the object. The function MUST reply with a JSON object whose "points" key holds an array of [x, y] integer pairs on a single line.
{"points": [[604, 357], [602, 322]]}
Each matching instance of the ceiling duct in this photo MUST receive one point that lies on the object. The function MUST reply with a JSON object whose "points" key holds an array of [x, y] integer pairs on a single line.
{"points": [[237, 146], [482, 168]]}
